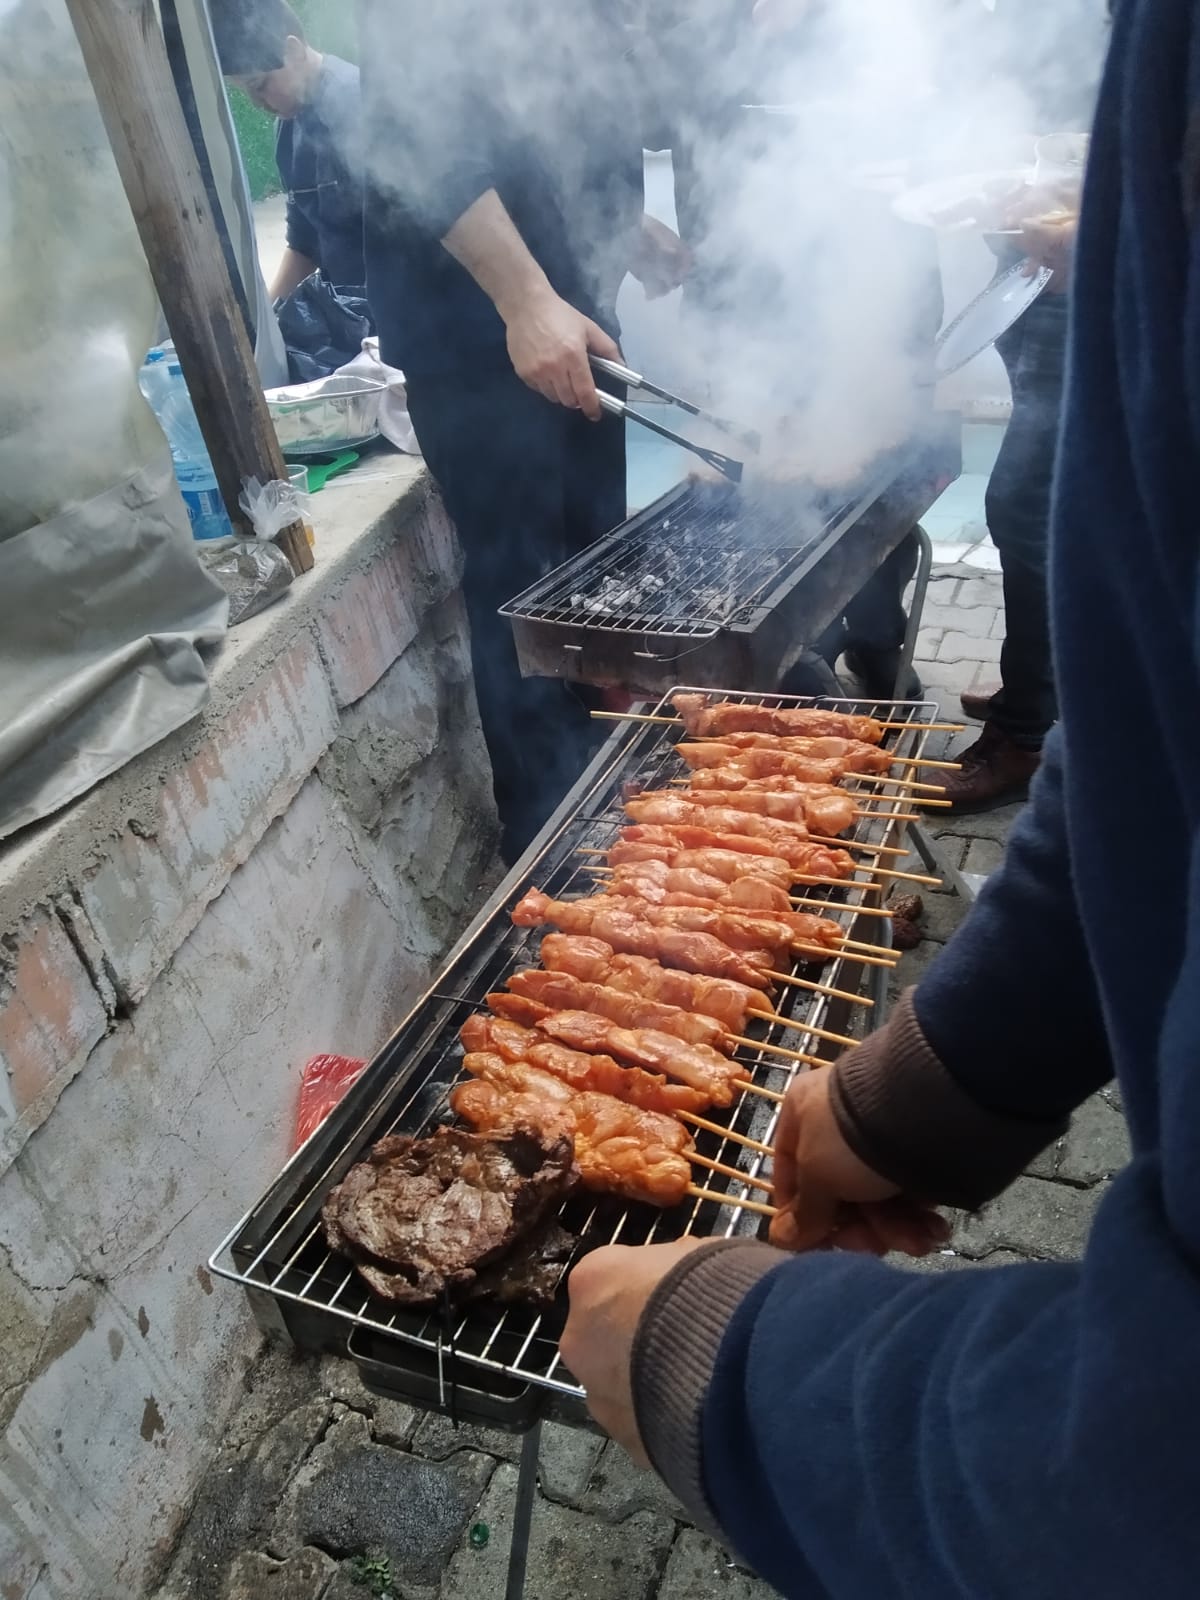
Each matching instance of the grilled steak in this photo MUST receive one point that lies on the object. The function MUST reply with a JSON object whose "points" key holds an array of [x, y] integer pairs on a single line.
{"points": [[420, 1217]]}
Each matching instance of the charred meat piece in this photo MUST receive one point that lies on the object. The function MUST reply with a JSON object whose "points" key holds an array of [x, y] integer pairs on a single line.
{"points": [[420, 1217]]}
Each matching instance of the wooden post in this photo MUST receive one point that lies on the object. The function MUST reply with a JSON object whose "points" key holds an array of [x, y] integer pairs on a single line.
{"points": [[127, 61]]}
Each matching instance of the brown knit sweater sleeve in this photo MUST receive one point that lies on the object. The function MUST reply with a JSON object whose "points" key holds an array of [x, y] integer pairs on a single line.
{"points": [[904, 1114]]}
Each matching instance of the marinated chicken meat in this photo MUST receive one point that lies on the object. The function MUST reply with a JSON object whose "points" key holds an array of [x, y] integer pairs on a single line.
{"points": [[805, 860], [604, 919], [707, 719], [852, 755], [671, 810], [827, 811], [563, 993], [716, 862], [699, 1065], [420, 1217], [764, 761], [515, 1042], [597, 962], [657, 883], [613, 1156]]}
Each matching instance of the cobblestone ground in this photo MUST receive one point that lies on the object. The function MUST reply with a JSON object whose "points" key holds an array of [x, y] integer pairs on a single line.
{"points": [[324, 1492]]}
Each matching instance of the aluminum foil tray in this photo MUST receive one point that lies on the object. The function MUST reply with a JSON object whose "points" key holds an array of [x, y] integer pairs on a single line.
{"points": [[328, 415]]}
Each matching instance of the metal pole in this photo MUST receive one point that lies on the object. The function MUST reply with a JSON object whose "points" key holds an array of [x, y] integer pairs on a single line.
{"points": [[514, 1589]]}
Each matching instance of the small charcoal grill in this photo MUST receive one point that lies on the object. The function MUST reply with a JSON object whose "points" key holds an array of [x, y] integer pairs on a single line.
{"points": [[494, 1364], [725, 585]]}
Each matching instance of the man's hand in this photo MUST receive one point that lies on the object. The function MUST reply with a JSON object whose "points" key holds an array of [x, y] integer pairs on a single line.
{"points": [[827, 1197], [609, 1290], [548, 344], [661, 260]]}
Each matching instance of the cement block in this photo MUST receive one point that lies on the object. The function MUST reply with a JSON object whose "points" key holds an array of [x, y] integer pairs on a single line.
{"points": [[50, 1017], [941, 915], [1045, 1164], [154, 885], [958, 645], [566, 1460], [390, 1421], [617, 1489], [980, 590], [353, 1497], [571, 1556], [257, 1577], [698, 1567], [378, 612], [1096, 1145], [437, 1439], [999, 625], [983, 855], [1032, 1218]]}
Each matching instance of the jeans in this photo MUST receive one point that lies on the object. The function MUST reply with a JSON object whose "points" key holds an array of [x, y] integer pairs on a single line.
{"points": [[527, 484], [1018, 518]]}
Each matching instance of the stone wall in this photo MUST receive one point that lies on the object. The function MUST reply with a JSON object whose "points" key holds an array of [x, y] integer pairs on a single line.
{"points": [[278, 879]]}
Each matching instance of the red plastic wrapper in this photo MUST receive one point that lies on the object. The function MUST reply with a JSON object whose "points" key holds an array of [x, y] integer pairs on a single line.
{"points": [[323, 1082]]}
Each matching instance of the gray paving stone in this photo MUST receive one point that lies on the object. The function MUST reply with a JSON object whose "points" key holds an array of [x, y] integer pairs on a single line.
{"points": [[234, 1509], [946, 680], [258, 1577], [1045, 1165], [571, 1556], [438, 1439], [1096, 1145], [980, 590], [951, 845], [347, 1584], [567, 1458], [1000, 626], [995, 825], [392, 1422], [617, 1489], [983, 855], [959, 646], [941, 915], [949, 1261], [354, 1497], [699, 1567], [1031, 1217]]}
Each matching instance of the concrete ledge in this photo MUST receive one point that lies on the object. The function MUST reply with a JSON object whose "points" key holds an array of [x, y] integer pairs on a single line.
{"points": [[95, 901]]}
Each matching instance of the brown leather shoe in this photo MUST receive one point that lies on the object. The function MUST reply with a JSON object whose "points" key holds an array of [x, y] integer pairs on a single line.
{"points": [[995, 772], [976, 703]]}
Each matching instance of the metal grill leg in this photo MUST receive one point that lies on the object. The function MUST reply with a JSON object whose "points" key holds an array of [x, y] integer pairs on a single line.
{"points": [[915, 610], [527, 1474]]}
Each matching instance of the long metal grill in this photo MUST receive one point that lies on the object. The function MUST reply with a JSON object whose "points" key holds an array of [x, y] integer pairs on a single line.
{"points": [[278, 1250], [701, 559]]}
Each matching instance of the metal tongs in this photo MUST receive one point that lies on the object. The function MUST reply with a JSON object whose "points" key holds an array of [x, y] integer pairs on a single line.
{"points": [[726, 465]]}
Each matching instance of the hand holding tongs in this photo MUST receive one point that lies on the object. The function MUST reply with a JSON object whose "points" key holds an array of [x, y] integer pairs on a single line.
{"points": [[726, 465]]}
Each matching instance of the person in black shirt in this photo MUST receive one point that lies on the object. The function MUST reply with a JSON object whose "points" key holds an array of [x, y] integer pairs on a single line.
{"points": [[504, 207], [318, 142]]}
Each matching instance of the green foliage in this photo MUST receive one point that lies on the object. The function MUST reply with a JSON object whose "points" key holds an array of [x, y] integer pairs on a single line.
{"points": [[373, 1573]]}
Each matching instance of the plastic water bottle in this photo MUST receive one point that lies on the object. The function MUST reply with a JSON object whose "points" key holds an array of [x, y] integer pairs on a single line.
{"points": [[162, 383]]}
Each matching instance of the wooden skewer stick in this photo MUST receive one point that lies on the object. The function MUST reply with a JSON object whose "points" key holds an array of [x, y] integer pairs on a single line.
{"points": [[859, 944], [730, 1199], [892, 816], [791, 982], [905, 877], [830, 906], [853, 844], [900, 783], [747, 1087], [908, 800], [928, 727], [779, 1050], [799, 1027], [730, 1172], [841, 952], [668, 722], [726, 1133], [923, 761]]}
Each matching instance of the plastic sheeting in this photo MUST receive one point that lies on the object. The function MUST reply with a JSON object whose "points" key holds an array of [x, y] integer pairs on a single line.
{"points": [[103, 603]]}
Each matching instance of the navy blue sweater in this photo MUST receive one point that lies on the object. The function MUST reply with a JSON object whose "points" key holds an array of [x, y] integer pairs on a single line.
{"points": [[1030, 1431]]}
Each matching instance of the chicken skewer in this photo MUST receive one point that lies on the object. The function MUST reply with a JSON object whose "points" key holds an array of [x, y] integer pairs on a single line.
{"points": [[731, 777], [596, 962], [750, 893], [515, 1042], [619, 927], [831, 812], [700, 715], [806, 862], [558, 991], [610, 1155], [648, 1128], [697, 1065]]}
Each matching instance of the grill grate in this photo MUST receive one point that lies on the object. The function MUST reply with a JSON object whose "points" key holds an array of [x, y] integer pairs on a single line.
{"points": [[700, 560], [277, 1250]]}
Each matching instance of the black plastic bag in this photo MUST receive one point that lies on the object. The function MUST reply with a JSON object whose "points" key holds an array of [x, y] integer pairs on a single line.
{"points": [[322, 328]]}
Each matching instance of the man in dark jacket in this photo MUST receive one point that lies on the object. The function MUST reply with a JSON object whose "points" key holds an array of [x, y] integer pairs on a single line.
{"points": [[859, 1431], [318, 137], [505, 203]]}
